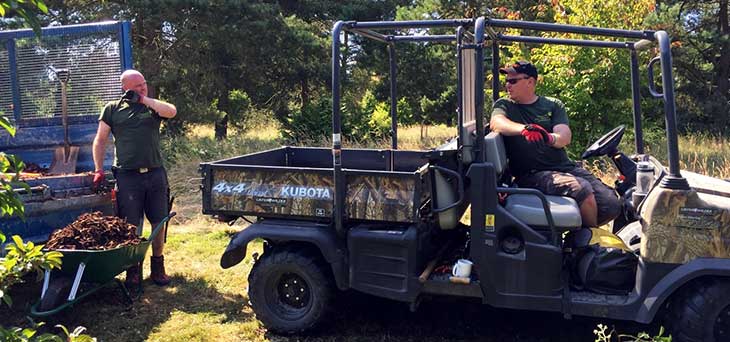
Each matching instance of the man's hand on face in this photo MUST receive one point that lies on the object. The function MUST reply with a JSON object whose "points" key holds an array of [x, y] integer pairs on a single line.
{"points": [[131, 96], [536, 133]]}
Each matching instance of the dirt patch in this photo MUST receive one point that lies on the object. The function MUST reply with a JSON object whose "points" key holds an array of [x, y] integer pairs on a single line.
{"points": [[94, 232]]}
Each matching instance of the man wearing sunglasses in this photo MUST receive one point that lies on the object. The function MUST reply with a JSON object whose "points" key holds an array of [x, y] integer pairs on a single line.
{"points": [[535, 130]]}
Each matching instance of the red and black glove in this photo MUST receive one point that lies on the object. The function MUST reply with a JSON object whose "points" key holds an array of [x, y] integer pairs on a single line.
{"points": [[535, 133], [98, 178]]}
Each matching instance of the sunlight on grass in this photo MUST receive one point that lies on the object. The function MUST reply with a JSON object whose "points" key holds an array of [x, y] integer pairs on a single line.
{"points": [[201, 131], [184, 326]]}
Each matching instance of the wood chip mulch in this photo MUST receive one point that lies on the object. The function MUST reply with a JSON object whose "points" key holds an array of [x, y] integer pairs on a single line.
{"points": [[93, 231]]}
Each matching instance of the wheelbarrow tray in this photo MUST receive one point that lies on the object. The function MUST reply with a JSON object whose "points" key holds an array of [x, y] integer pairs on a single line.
{"points": [[102, 265], [99, 267]]}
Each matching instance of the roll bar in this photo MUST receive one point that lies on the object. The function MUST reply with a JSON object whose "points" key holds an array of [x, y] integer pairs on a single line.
{"points": [[483, 30]]}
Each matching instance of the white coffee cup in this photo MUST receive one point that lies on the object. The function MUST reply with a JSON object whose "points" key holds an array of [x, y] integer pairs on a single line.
{"points": [[462, 268]]}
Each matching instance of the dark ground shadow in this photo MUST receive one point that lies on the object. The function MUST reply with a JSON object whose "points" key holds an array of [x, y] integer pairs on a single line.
{"points": [[360, 317], [356, 317]]}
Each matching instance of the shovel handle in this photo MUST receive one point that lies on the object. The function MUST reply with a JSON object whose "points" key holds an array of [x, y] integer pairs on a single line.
{"points": [[64, 116], [161, 225]]}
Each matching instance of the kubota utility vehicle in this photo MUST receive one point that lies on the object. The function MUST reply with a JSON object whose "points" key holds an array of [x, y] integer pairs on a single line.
{"points": [[383, 221]]}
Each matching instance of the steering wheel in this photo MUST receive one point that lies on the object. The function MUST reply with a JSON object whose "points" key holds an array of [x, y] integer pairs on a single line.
{"points": [[606, 145]]}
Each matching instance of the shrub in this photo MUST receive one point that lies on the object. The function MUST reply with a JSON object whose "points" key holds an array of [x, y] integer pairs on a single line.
{"points": [[602, 335]]}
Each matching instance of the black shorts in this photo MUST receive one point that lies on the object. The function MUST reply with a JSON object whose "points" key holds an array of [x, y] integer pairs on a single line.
{"points": [[577, 183], [142, 194]]}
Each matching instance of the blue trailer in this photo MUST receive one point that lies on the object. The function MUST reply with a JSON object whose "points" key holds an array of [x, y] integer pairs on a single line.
{"points": [[30, 97]]}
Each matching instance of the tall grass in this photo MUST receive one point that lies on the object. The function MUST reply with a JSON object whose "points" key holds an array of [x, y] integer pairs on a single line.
{"points": [[699, 153]]}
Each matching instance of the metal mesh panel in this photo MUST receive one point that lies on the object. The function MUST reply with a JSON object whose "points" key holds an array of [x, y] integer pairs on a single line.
{"points": [[6, 92], [94, 64]]}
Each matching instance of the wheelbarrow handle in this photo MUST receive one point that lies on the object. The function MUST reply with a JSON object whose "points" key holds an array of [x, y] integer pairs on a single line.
{"points": [[161, 225]]}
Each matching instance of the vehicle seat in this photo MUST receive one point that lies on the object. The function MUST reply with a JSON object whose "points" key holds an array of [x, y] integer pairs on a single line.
{"points": [[528, 208], [444, 192]]}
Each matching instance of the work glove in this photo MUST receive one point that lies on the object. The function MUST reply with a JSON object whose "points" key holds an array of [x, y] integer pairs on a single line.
{"points": [[535, 133], [131, 96], [98, 179]]}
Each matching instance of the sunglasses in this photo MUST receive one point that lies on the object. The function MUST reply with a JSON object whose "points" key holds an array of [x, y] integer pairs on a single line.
{"points": [[515, 80]]}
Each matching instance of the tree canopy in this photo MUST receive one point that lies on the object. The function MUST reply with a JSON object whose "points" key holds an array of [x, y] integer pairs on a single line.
{"points": [[231, 61]]}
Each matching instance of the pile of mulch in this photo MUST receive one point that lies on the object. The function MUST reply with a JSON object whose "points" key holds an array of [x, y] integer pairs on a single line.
{"points": [[94, 232], [35, 168]]}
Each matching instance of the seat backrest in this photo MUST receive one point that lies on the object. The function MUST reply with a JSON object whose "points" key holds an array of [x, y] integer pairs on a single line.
{"points": [[495, 152]]}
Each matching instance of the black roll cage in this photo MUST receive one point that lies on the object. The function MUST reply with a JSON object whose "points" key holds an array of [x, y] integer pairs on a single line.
{"points": [[483, 29]]}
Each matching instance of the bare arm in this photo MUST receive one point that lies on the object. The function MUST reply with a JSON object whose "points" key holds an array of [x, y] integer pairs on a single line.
{"points": [[562, 135], [99, 146], [166, 110], [504, 126]]}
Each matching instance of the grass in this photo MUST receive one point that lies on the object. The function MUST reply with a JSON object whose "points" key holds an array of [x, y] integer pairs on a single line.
{"points": [[207, 303]]}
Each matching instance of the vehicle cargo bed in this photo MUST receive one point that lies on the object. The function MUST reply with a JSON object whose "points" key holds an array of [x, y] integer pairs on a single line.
{"points": [[381, 185]]}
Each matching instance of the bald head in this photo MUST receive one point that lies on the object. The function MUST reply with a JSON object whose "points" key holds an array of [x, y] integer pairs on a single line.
{"points": [[133, 80]]}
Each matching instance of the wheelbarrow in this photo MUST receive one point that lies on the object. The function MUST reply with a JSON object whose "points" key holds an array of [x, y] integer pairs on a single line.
{"points": [[97, 268]]}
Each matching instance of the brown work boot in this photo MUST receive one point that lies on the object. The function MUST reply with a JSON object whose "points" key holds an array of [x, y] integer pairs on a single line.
{"points": [[134, 277], [158, 271]]}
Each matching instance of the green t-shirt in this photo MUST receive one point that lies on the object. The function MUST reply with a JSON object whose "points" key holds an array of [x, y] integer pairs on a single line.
{"points": [[136, 130], [524, 156]]}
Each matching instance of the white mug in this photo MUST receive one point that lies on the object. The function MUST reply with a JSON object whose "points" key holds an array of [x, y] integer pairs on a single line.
{"points": [[462, 268]]}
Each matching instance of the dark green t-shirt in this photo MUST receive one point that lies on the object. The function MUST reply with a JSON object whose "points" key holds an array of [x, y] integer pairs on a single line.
{"points": [[136, 130], [524, 156]]}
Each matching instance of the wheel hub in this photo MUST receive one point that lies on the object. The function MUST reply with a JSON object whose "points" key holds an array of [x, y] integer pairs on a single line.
{"points": [[293, 290]]}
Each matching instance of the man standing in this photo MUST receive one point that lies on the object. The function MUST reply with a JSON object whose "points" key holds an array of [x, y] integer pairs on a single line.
{"points": [[142, 187], [536, 131]]}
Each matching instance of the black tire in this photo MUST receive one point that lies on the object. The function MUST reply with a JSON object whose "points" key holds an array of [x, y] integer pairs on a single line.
{"points": [[56, 294], [275, 282], [701, 313]]}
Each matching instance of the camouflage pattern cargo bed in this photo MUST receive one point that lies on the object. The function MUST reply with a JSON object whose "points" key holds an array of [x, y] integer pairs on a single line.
{"points": [[297, 182]]}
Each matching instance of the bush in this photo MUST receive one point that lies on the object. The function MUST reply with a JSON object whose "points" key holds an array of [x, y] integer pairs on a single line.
{"points": [[30, 335], [602, 335], [380, 121], [312, 121], [23, 258]]}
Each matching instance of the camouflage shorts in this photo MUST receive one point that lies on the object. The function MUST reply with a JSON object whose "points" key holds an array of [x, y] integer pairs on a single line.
{"points": [[578, 184]]}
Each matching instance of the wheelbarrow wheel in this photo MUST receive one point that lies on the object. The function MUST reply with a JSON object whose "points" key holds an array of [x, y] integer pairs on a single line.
{"points": [[56, 294], [291, 291]]}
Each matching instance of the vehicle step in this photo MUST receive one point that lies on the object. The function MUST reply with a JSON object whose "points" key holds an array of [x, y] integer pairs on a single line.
{"points": [[591, 297], [442, 286]]}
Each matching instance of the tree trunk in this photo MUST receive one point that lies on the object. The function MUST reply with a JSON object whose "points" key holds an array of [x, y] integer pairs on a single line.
{"points": [[221, 128], [723, 63], [305, 90]]}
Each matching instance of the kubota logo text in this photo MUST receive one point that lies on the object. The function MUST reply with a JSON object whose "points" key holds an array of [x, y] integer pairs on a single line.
{"points": [[305, 191]]}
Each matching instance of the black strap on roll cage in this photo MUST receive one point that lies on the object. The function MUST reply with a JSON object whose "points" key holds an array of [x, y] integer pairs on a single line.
{"points": [[483, 28]]}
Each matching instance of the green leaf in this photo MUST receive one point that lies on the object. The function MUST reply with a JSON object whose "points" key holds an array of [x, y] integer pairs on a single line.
{"points": [[41, 6], [4, 122], [7, 300], [18, 241], [2, 238], [28, 333], [65, 330], [78, 331], [85, 338]]}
